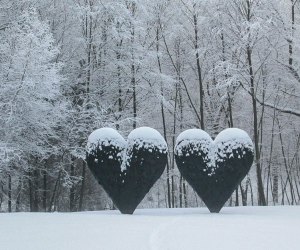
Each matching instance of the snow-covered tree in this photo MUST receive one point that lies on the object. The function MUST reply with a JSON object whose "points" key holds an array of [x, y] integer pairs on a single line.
{"points": [[30, 99]]}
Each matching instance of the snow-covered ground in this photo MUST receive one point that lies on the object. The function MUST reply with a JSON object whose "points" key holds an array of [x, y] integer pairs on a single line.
{"points": [[234, 228]]}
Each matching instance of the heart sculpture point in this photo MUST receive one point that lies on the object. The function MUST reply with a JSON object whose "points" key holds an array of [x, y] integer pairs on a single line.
{"points": [[214, 168], [126, 170]]}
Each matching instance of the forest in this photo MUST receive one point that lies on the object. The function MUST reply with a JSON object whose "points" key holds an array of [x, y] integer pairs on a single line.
{"points": [[68, 67]]}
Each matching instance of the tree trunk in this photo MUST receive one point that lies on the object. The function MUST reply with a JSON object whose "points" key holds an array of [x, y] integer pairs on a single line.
{"points": [[261, 194], [30, 191], [51, 203], [180, 192], [45, 187], [81, 196], [132, 8], [185, 194], [270, 157], [289, 177], [36, 191], [290, 41], [201, 94], [170, 204], [9, 193], [19, 191], [72, 189], [119, 44]]}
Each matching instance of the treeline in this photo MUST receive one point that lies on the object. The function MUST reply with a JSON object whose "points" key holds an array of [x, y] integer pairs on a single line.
{"points": [[68, 67]]}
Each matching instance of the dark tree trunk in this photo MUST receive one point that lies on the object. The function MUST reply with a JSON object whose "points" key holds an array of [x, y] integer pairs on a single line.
{"points": [[290, 41], [30, 191], [201, 91], [81, 196], [45, 191], [9, 193], [35, 207], [261, 194], [72, 189], [180, 192], [164, 121], [185, 194], [19, 191], [132, 8], [54, 193]]}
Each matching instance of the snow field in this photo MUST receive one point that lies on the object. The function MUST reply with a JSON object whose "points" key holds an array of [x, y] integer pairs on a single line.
{"points": [[154, 229]]}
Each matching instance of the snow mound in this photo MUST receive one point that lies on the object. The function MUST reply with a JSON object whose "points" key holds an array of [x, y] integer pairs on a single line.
{"points": [[195, 139], [105, 137], [193, 134], [229, 141], [233, 134], [146, 138]]}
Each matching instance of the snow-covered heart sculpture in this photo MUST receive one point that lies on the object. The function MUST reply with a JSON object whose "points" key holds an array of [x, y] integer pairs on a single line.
{"points": [[126, 170], [214, 168]]}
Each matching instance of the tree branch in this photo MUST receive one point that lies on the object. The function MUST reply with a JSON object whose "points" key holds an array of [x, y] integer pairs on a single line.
{"points": [[269, 105]]}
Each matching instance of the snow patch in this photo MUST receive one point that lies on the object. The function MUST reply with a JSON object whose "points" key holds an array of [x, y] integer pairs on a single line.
{"points": [[105, 137], [146, 138], [233, 134], [195, 139], [193, 134], [230, 140]]}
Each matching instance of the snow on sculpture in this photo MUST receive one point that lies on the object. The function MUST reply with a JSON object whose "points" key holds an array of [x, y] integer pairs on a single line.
{"points": [[126, 170], [214, 168]]}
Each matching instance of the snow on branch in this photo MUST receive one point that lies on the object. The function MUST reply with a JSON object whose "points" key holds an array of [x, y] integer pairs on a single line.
{"points": [[269, 105]]}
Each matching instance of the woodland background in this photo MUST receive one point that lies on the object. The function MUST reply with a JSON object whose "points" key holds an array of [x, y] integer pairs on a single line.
{"points": [[68, 67]]}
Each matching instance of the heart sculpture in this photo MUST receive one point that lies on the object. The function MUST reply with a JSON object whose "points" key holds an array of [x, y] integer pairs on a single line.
{"points": [[126, 170], [214, 168]]}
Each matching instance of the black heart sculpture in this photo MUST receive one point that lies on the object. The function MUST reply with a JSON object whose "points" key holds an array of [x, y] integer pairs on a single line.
{"points": [[214, 168], [126, 170]]}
